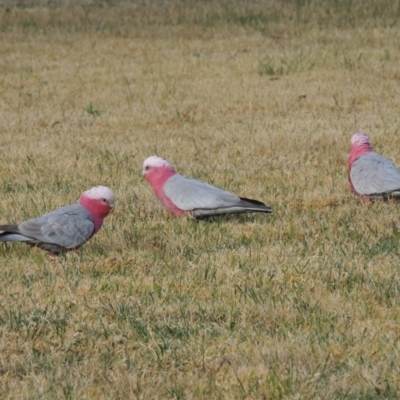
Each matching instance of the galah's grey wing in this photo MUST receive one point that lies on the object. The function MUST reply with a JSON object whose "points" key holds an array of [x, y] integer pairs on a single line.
{"points": [[202, 199], [68, 227], [11, 234], [373, 174], [63, 229]]}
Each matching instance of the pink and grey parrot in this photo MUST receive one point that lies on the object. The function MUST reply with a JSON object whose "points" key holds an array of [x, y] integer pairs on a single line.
{"points": [[371, 176], [65, 228], [182, 195]]}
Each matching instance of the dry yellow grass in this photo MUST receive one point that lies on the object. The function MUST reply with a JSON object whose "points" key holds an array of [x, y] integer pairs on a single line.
{"points": [[260, 99]]}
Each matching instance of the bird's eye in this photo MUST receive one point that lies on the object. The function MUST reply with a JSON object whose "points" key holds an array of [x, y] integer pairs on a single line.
{"points": [[105, 200], [147, 167]]}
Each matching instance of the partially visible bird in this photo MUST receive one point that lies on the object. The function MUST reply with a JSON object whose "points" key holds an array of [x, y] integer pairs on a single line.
{"points": [[181, 195], [65, 228], [371, 176]]}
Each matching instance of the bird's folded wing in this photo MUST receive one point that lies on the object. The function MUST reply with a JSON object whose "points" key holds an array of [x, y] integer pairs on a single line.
{"points": [[373, 173], [190, 194], [68, 227]]}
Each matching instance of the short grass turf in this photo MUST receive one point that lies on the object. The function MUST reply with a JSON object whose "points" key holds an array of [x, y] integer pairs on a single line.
{"points": [[259, 98]]}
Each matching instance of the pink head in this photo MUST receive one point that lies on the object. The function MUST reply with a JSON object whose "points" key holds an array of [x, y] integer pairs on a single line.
{"points": [[359, 146], [99, 201], [156, 170], [359, 139]]}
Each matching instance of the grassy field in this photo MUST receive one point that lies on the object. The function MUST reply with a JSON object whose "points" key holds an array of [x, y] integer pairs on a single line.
{"points": [[259, 98]]}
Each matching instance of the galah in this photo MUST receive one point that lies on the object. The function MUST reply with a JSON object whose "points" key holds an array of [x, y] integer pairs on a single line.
{"points": [[371, 176], [181, 195], [65, 228]]}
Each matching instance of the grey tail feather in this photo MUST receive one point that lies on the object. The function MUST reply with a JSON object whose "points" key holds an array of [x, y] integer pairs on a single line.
{"points": [[10, 236], [9, 228], [11, 233], [395, 195], [261, 207]]}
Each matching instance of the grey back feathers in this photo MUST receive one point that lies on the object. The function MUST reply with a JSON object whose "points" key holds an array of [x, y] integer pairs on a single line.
{"points": [[57, 231], [373, 174], [202, 199]]}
